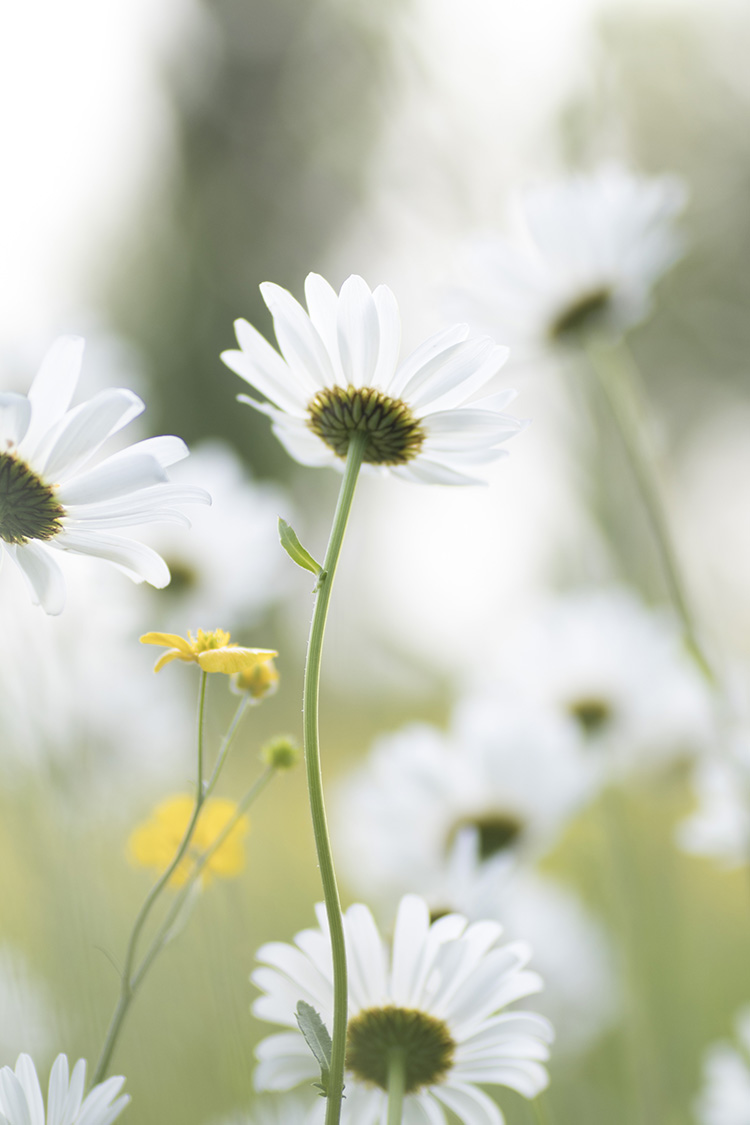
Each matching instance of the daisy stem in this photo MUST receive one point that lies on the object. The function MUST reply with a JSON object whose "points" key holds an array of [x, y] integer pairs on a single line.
{"points": [[396, 1086], [620, 381], [311, 695], [202, 791]]}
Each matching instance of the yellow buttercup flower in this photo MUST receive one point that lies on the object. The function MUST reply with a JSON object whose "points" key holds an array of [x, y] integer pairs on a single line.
{"points": [[154, 843], [212, 651]]}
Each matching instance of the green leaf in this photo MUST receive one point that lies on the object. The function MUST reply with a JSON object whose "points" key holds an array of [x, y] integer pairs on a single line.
{"points": [[318, 1040], [295, 550]]}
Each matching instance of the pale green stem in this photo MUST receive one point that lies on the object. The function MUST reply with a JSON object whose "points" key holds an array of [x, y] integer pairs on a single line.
{"points": [[201, 792], [315, 778], [540, 1110], [619, 380], [396, 1086], [640, 1056], [162, 936]]}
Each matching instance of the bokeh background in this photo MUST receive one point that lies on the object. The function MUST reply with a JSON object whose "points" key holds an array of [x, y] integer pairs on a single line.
{"points": [[159, 162]]}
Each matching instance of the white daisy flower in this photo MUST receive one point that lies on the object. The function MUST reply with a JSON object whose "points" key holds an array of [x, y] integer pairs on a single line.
{"points": [[340, 374], [283, 1109], [22, 1102], [618, 672], [53, 492], [586, 254], [513, 774], [438, 997], [725, 1097]]}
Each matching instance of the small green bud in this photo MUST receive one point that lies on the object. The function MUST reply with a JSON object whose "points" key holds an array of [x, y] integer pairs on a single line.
{"points": [[282, 752]]}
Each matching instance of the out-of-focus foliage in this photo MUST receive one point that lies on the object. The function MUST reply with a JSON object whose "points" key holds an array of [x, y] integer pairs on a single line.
{"points": [[275, 127]]}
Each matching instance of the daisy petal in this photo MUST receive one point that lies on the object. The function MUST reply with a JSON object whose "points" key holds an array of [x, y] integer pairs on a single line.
{"points": [[298, 340], [42, 574], [469, 1104], [26, 1074], [80, 433], [358, 332], [261, 365], [112, 478], [15, 415], [51, 392], [13, 1099], [138, 561]]}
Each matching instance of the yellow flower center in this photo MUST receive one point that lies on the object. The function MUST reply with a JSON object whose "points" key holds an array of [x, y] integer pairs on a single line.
{"points": [[205, 642], [394, 436]]}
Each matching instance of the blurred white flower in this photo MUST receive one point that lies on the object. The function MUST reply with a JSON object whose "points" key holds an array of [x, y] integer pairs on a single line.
{"points": [[618, 672], [283, 1109], [513, 774], [53, 492], [340, 374], [720, 826], [584, 256], [438, 996], [22, 1102], [81, 706], [29, 1021], [725, 1097], [228, 570]]}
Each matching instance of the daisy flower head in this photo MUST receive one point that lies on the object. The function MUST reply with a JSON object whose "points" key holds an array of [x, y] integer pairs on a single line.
{"points": [[436, 998], [339, 374], [618, 673], [586, 254], [725, 1096], [505, 779], [22, 1102], [55, 492]]}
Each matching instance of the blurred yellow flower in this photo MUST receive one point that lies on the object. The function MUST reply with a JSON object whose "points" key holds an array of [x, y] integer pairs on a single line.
{"points": [[212, 651], [258, 682], [154, 843]]}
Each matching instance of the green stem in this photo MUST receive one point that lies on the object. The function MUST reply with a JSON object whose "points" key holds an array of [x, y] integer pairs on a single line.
{"points": [[127, 985], [541, 1109], [396, 1086], [640, 1052], [163, 933], [315, 778], [619, 380]]}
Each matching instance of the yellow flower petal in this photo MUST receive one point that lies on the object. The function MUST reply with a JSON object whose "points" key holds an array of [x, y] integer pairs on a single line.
{"points": [[154, 843], [168, 657], [233, 658], [168, 640]]}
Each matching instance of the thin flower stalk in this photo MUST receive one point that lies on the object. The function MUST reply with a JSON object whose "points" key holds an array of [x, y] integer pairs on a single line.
{"points": [[167, 927], [128, 981], [315, 777], [618, 377]]}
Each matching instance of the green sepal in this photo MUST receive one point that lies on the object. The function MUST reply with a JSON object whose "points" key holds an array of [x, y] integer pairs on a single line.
{"points": [[295, 550], [316, 1036]]}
